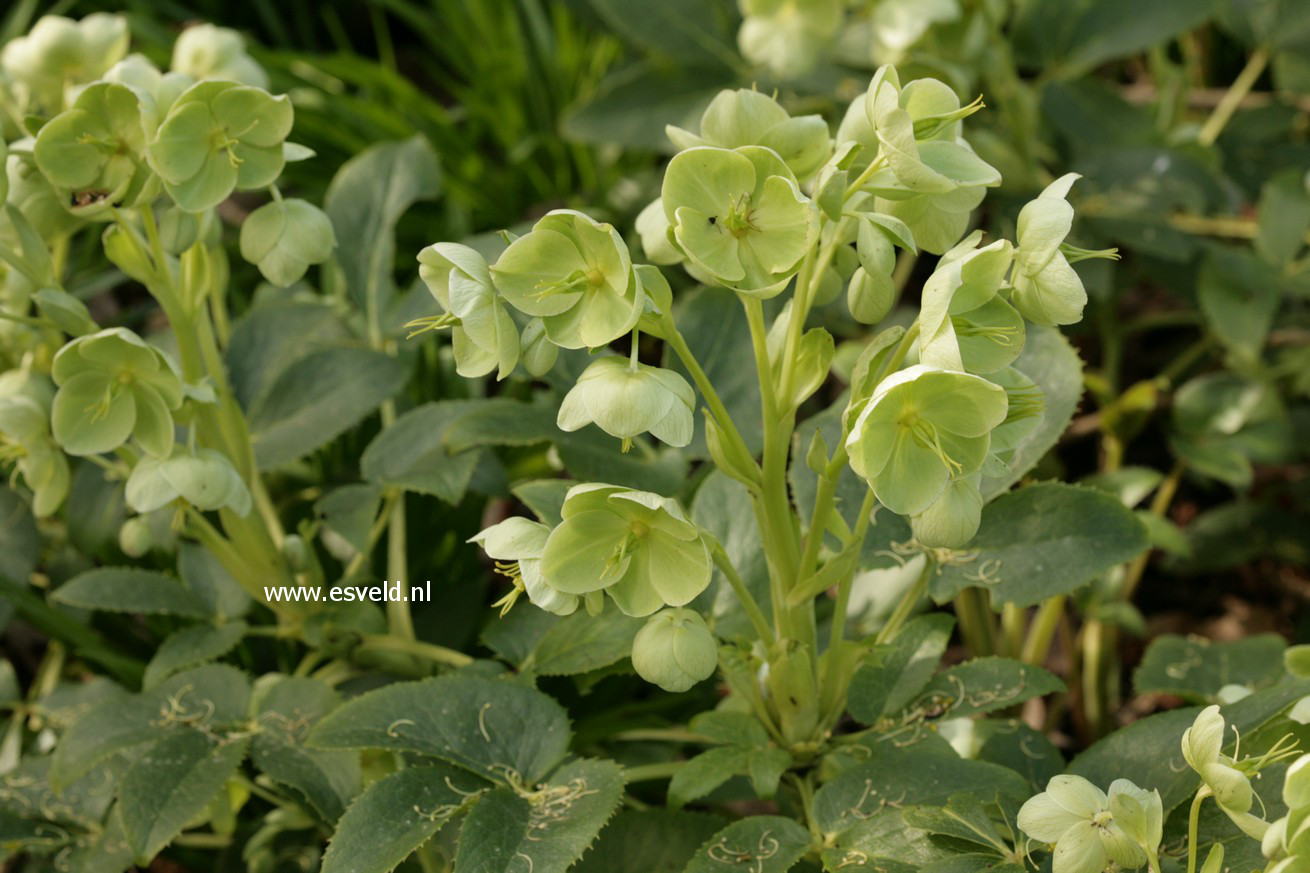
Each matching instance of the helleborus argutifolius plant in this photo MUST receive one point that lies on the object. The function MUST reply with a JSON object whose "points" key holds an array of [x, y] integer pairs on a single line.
{"points": [[59, 53], [922, 427], [637, 547], [1078, 818], [113, 385], [738, 216], [675, 649], [205, 51], [284, 237], [787, 36], [219, 137], [516, 545], [741, 118], [26, 443], [576, 274], [483, 334], [625, 398], [93, 153], [203, 478]]}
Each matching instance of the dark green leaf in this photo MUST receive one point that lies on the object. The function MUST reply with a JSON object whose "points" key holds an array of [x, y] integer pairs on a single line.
{"points": [[1197, 668], [412, 454], [759, 844], [581, 642], [985, 685], [127, 589], [191, 647], [663, 839], [894, 673]]}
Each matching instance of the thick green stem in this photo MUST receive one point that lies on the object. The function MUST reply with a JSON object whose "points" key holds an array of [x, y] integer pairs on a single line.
{"points": [[1041, 631], [652, 772], [976, 623], [907, 603], [1193, 828], [753, 611], [415, 648], [1214, 125], [844, 586]]}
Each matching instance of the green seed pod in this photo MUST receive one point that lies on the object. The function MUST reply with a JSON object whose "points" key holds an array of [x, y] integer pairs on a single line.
{"points": [[870, 297], [675, 650], [284, 237], [134, 537]]}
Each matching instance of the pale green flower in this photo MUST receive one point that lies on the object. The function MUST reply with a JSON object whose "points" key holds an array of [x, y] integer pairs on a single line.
{"points": [[218, 137], [674, 650], [639, 548], [59, 53], [113, 385], [25, 442], [94, 153], [625, 398], [137, 72], [741, 118], [1231, 787], [963, 324], [516, 545], [284, 237], [1047, 290], [922, 427], [738, 215], [870, 297], [208, 52], [483, 335], [574, 273], [204, 478], [788, 36], [1076, 816], [653, 227]]}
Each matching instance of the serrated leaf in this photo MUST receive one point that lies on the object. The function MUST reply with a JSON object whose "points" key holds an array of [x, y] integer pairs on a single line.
{"points": [[731, 728], [412, 454], [963, 817], [190, 647], [894, 673], [906, 777], [127, 589], [500, 422], [349, 512], [759, 844], [396, 815], [663, 839], [545, 831], [171, 783], [285, 712], [223, 596], [317, 398], [1013, 744], [270, 338], [580, 642], [214, 695], [1041, 541], [488, 726], [1196, 668], [706, 772], [985, 685]]}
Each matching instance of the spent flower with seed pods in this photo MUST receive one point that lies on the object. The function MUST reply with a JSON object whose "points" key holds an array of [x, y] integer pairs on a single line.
{"points": [[576, 274], [637, 547], [922, 427], [203, 478], [675, 649], [739, 217], [516, 545], [746, 117], [625, 398], [113, 385], [483, 335], [218, 137], [285, 237], [1078, 818]]}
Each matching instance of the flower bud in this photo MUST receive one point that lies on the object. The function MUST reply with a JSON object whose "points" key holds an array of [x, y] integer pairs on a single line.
{"points": [[296, 553], [953, 518], [1214, 862], [675, 650], [537, 352], [134, 537], [870, 297]]}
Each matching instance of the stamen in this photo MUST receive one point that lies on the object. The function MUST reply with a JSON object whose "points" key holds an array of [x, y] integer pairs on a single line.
{"points": [[431, 322], [925, 434]]}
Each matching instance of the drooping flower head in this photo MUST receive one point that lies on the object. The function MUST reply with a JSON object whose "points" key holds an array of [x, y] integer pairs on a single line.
{"points": [[113, 385], [203, 478], [964, 325], [58, 53], [1203, 749], [516, 545], [625, 398], [284, 237], [1047, 290], [788, 36], [675, 649], [575, 273], [738, 215], [922, 427], [637, 547], [484, 336]]}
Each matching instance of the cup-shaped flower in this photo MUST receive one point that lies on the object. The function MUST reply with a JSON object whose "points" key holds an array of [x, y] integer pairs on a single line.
{"points": [[516, 545], [218, 137], [284, 237], [575, 273], [1047, 290], [922, 427], [113, 385], [483, 335], [1076, 817], [1138, 813], [25, 442], [208, 52], [203, 478], [675, 649], [94, 153], [638, 547], [625, 398], [741, 118], [59, 52], [739, 216], [788, 36]]}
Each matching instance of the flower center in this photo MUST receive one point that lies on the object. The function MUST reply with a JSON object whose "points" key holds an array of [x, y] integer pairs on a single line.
{"points": [[574, 283], [738, 217], [1002, 335], [926, 435]]}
